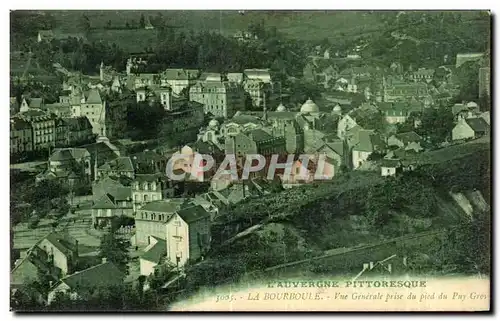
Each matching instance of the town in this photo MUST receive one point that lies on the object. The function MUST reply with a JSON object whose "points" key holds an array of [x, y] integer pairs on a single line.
{"points": [[111, 211]]}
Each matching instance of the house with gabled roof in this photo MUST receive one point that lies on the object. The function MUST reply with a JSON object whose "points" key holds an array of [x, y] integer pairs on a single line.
{"points": [[62, 250], [389, 167], [183, 225], [408, 141], [154, 256], [120, 166], [110, 199], [470, 128], [368, 142], [81, 284]]}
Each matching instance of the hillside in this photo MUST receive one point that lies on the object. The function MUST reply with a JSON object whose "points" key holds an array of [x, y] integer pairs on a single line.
{"points": [[356, 211], [304, 25]]}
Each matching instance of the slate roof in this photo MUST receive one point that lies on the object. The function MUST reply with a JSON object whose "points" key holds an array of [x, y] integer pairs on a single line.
{"points": [[19, 124], [119, 164], [109, 186], [242, 119], [368, 141], [258, 135], [205, 147], [156, 252], [35, 102], [477, 124], [147, 178], [194, 213], [78, 123], [93, 97], [390, 163], [337, 147], [408, 137], [61, 155], [180, 74], [67, 154], [106, 201], [105, 274], [163, 206], [63, 242]]}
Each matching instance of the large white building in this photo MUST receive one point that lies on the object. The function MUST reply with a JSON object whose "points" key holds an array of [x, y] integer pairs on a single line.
{"points": [[221, 99]]}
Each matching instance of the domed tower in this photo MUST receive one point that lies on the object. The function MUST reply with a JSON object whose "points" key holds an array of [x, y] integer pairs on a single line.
{"points": [[337, 110], [309, 107]]}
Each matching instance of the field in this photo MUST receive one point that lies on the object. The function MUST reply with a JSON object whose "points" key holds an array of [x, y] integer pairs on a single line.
{"points": [[306, 25]]}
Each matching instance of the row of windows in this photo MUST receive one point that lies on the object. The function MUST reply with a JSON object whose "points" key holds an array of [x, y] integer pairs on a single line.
{"points": [[146, 186], [42, 132], [145, 198], [43, 125]]}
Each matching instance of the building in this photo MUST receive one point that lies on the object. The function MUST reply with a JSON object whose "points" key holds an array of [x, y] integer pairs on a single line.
{"points": [[93, 108], [184, 226], [465, 57], [389, 167], [21, 136], [422, 74], [29, 268], [262, 75], [465, 110], [470, 128], [68, 165], [220, 99], [185, 120], [78, 131], [154, 256], [110, 199], [407, 141], [179, 79], [396, 90], [149, 162], [43, 126], [398, 112], [149, 188], [485, 81], [81, 284], [61, 131], [62, 109], [62, 251], [366, 143], [256, 141], [120, 166]]}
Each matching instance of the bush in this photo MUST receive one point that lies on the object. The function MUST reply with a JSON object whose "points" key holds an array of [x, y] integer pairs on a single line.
{"points": [[33, 223]]}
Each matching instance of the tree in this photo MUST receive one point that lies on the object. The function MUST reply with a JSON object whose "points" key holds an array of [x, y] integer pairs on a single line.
{"points": [[115, 249], [85, 24], [142, 21], [436, 125]]}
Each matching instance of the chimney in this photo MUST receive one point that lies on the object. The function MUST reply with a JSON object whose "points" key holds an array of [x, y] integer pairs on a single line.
{"points": [[371, 265], [104, 260]]}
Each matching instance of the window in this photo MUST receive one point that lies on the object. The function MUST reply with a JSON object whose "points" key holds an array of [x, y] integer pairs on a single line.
{"points": [[145, 198]]}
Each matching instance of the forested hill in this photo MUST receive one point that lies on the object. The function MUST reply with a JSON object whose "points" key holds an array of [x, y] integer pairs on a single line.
{"points": [[419, 38]]}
